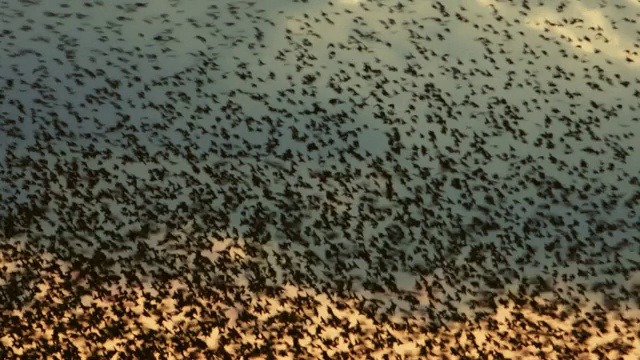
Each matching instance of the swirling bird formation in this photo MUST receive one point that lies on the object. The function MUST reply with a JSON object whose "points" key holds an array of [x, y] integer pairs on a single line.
{"points": [[319, 180]]}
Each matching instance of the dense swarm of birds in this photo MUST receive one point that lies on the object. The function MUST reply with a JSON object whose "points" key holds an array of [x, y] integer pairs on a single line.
{"points": [[346, 179]]}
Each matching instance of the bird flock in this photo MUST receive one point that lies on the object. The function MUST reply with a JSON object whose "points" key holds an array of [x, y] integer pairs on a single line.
{"points": [[293, 179]]}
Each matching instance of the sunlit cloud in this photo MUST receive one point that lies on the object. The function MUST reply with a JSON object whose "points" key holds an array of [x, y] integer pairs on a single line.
{"points": [[586, 29]]}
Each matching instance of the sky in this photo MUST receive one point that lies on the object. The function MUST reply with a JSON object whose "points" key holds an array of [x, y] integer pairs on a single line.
{"points": [[555, 57]]}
